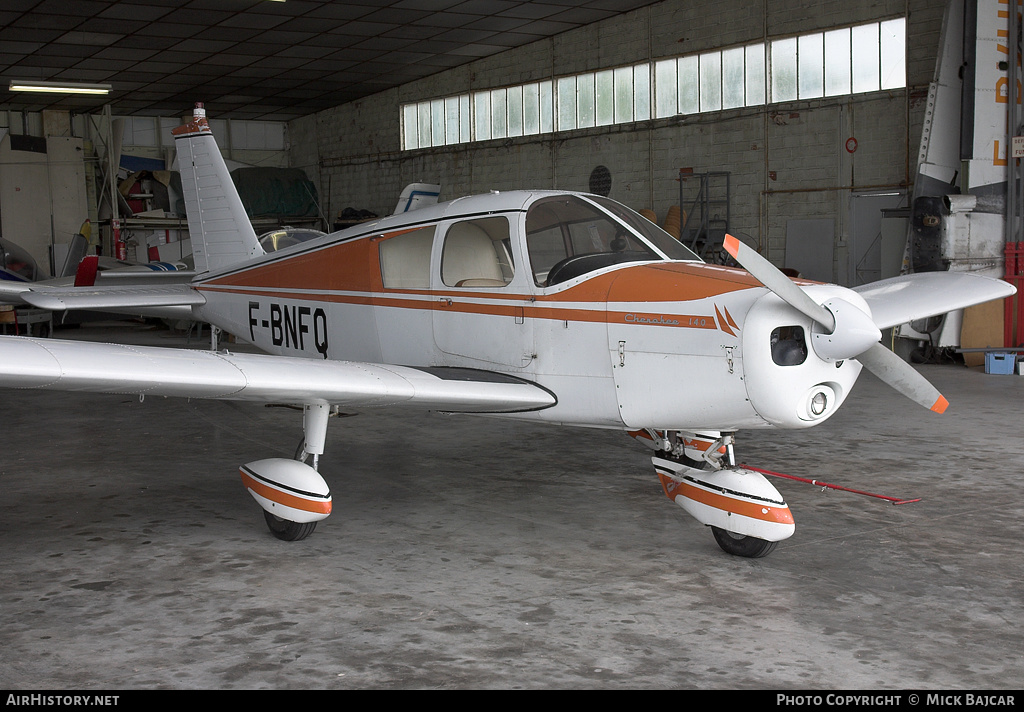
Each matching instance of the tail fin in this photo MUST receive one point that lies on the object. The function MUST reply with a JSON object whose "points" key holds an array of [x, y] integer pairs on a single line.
{"points": [[217, 222], [417, 195]]}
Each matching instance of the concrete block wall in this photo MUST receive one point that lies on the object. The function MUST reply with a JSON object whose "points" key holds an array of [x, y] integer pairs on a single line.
{"points": [[787, 162]]}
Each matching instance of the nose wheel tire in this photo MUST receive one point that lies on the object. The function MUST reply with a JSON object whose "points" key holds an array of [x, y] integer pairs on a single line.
{"points": [[286, 530], [746, 546]]}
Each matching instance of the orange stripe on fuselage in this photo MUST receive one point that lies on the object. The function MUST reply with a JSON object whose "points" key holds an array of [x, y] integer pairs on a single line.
{"points": [[349, 273], [343, 266]]}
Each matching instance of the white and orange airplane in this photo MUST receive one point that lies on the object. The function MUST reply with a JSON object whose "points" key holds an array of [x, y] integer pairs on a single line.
{"points": [[550, 306]]}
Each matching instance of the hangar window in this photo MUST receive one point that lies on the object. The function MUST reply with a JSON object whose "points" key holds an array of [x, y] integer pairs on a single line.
{"points": [[847, 60]]}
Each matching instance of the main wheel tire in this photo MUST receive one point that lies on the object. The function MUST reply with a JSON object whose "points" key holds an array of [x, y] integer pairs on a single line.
{"points": [[749, 547], [287, 530]]}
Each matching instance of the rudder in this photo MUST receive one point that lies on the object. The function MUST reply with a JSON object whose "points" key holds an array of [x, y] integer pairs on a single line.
{"points": [[220, 229]]}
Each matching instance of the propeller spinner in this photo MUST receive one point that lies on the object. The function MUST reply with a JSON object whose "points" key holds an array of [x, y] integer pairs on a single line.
{"points": [[843, 331]]}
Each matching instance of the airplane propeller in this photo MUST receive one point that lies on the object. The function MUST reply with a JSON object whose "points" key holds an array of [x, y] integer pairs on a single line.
{"points": [[843, 331]]}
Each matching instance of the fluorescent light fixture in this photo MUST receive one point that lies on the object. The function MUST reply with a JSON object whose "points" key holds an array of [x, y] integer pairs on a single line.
{"points": [[59, 87]]}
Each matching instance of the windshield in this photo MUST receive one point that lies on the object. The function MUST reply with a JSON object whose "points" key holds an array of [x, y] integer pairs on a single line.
{"points": [[17, 260], [286, 237], [661, 239], [567, 236]]}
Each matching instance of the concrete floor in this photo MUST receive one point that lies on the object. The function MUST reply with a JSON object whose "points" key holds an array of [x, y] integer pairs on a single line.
{"points": [[476, 553]]}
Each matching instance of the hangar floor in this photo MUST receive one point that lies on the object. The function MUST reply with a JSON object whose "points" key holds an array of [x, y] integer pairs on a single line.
{"points": [[476, 553]]}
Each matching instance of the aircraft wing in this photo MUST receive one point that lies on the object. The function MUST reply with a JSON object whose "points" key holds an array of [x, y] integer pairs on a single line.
{"points": [[915, 296], [53, 364]]}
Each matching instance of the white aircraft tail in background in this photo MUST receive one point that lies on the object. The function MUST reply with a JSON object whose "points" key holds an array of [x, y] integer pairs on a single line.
{"points": [[417, 195]]}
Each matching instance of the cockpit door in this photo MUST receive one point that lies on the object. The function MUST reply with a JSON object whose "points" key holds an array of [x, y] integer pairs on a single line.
{"points": [[479, 312]]}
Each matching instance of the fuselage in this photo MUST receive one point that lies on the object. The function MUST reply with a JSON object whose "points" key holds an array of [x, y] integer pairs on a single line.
{"points": [[574, 292]]}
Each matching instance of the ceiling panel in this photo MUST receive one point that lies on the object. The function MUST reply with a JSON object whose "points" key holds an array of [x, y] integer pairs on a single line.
{"points": [[255, 59]]}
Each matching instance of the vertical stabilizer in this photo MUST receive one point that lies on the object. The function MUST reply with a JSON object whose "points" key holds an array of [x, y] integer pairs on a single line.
{"points": [[217, 222]]}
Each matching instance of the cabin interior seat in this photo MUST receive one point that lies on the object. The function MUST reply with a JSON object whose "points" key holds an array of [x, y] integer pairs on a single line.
{"points": [[469, 258]]}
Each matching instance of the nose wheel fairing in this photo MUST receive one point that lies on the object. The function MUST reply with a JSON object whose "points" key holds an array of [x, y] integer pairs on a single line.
{"points": [[736, 500]]}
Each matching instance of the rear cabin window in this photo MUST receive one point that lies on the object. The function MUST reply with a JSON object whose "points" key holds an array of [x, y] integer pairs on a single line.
{"points": [[405, 259], [477, 253]]}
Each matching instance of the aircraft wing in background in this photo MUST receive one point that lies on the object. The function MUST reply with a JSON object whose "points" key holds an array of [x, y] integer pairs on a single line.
{"points": [[902, 299]]}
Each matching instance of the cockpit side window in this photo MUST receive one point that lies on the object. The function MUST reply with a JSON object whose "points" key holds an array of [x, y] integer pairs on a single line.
{"points": [[477, 253]]}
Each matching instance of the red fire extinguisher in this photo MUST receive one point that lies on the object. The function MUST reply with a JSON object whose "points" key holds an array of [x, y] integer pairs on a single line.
{"points": [[120, 248]]}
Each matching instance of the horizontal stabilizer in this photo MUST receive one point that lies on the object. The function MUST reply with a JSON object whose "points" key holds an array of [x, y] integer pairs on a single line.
{"points": [[417, 195], [110, 368], [116, 297], [11, 292]]}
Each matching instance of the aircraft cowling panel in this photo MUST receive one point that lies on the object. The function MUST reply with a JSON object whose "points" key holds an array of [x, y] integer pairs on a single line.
{"points": [[783, 394], [677, 365]]}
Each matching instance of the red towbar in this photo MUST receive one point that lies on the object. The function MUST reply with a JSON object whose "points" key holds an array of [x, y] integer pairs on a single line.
{"points": [[819, 483]]}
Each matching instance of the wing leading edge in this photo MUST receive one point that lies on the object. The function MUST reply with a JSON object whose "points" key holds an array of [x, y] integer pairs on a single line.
{"points": [[110, 368]]}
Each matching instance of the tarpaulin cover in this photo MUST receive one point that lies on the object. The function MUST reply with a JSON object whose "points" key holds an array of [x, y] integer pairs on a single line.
{"points": [[276, 192]]}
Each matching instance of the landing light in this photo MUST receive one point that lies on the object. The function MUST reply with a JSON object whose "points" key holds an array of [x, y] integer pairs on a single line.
{"points": [[819, 403]]}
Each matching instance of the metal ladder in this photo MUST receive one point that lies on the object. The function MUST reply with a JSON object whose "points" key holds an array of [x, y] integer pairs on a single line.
{"points": [[706, 222]]}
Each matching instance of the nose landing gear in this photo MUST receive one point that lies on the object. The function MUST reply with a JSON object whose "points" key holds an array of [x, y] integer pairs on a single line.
{"points": [[747, 515]]}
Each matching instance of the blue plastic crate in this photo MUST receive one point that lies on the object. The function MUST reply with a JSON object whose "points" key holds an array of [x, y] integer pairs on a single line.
{"points": [[1000, 363]]}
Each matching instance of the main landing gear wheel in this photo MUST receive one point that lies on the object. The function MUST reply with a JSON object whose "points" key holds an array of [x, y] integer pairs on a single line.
{"points": [[747, 546], [286, 530]]}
